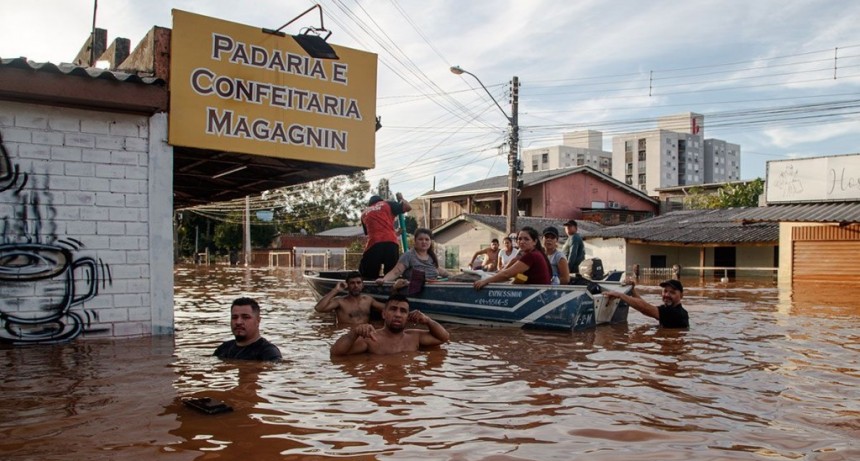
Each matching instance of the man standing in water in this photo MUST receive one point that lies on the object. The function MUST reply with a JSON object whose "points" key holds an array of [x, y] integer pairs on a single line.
{"points": [[382, 249], [393, 337], [245, 324], [671, 314], [352, 309]]}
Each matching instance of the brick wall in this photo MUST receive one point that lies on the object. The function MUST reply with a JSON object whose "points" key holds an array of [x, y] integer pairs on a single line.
{"points": [[76, 255]]}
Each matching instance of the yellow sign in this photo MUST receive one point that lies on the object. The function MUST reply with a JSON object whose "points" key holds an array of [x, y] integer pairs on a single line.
{"points": [[234, 88]]}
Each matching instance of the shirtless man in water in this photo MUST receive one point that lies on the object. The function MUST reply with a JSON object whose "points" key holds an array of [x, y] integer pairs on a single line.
{"points": [[352, 309], [394, 337]]}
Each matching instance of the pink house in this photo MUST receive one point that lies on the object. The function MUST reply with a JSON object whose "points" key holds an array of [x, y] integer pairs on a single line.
{"points": [[580, 193]]}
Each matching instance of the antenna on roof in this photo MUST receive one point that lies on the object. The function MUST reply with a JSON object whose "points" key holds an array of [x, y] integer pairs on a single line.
{"points": [[93, 36]]}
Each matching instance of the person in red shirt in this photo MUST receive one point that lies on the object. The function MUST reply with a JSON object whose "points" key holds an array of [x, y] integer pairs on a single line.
{"points": [[532, 262], [382, 249]]}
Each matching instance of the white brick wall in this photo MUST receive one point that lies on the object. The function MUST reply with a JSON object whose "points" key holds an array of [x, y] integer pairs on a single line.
{"points": [[89, 185]]}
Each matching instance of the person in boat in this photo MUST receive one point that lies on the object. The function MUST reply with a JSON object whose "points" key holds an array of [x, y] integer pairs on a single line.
{"points": [[382, 248], [393, 337], [248, 344], [573, 248], [491, 257], [670, 314], [352, 308], [508, 253], [531, 262], [422, 256], [557, 261]]}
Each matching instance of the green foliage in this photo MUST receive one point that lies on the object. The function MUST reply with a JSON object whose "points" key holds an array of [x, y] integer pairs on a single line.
{"points": [[229, 235], [411, 224], [321, 205], [741, 195], [729, 196]]}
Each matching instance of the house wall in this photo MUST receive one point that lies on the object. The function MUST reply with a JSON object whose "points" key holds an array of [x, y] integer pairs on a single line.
{"points": [[87, 242], [612, 252], [468, 238], [566, 196]]}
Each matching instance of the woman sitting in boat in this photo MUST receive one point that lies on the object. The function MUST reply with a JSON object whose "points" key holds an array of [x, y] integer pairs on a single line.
{"points": [[557, 261], [532, 262], [422, 256], [508, 253]]}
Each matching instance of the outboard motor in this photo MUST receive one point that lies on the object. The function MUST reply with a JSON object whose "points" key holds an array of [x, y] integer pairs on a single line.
{"points": [[591, 268]]}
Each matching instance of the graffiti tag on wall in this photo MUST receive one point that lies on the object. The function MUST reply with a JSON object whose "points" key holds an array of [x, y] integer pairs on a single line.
{"points": [[42, 277]]}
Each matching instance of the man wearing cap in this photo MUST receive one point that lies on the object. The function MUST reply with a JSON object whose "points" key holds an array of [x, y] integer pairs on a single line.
{"points": [[671, 314], [573, 248], [381, 250]]}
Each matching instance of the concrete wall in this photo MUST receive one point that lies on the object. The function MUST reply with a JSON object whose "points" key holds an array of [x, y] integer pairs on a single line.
{"points": [[87, 241], [468, 238]]}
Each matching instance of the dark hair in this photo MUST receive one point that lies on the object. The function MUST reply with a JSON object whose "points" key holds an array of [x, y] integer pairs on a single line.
{"points": [[494, 241], [508, 239], [353, 275], [533, 233], [432, 250], [246, 302], [397, 297]]}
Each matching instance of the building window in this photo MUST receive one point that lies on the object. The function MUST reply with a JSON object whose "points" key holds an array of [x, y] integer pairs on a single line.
{"points": [[544, 158]]}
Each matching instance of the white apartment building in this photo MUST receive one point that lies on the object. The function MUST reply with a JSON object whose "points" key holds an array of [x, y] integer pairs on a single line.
{"points": [[578, 148], [675, 154]]}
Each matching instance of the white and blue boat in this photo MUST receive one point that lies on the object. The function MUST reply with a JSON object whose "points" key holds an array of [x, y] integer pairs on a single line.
{"points": [[567, 307]]}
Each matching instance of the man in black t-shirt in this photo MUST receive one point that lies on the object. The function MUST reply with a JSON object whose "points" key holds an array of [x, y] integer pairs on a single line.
{"points": [[671, 314], [248, 345]]}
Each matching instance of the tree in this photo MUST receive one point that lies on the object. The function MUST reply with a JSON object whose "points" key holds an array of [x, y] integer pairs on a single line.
{"points": [[229, 235], [741, 194], [733, 195], [323, 204]]}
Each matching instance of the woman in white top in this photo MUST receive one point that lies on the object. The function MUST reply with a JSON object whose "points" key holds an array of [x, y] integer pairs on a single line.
{"points": [[422, 256], [507, 254], [557, 261]]}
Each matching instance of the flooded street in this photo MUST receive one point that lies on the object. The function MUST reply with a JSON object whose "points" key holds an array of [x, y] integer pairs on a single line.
{"points": [[759, 375]]}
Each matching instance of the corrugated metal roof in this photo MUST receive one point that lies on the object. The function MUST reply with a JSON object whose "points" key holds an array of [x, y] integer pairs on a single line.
{"points": [[500, 183], [351, 231], [835, 212], [71, 69], [696, 227], [584, 228]]}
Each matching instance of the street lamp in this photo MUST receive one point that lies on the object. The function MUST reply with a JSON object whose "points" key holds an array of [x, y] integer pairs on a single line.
{"points": [[513, 144]]}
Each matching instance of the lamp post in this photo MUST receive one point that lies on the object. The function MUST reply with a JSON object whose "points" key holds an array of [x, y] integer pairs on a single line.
{"points": [[513, 144]]}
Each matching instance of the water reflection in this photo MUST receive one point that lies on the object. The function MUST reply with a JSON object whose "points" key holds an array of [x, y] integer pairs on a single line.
{"points": [[757, 376]]}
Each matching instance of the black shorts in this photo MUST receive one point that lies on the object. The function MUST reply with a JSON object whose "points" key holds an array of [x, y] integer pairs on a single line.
{"points": [[381, 255]]}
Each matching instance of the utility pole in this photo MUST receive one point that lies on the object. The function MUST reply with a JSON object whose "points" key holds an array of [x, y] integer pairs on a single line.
{"points": [[513, 159], [513, 145]]}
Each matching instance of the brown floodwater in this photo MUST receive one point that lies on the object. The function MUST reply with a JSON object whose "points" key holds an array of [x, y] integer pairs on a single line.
{"points": [[761, 375]]}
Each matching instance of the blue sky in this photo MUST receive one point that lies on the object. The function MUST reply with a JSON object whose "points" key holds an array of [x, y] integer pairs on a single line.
{"points": [[761, 71]]}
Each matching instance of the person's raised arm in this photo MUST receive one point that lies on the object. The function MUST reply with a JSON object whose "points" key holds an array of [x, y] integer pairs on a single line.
{"points": [[635, 301], [374, 304], [328, 302], [435, 335], [354, 342], [475, 256], [503, 275], [403, 203]]}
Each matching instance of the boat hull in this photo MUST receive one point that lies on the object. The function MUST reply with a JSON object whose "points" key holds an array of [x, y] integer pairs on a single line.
{"points": [[569, 307]]}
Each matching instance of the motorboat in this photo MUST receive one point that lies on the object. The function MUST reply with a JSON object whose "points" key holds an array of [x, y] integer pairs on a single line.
{"points": [[567, 307]]}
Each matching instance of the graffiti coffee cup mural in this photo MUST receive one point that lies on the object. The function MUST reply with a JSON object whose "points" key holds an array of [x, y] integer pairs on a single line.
{"points": [[38, 286], [42, 277]]}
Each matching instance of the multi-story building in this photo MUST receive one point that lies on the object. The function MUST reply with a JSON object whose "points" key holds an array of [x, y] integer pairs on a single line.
{"points": [[675, 154], [578, 148]]}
